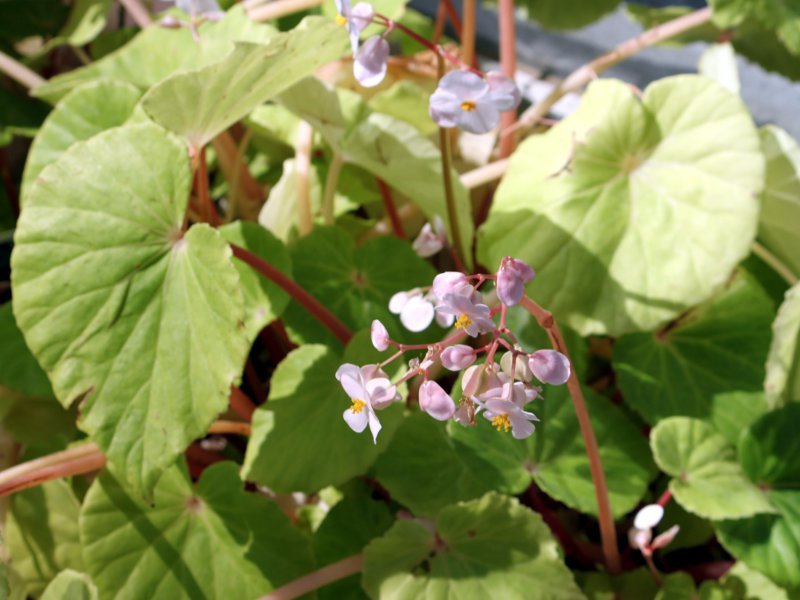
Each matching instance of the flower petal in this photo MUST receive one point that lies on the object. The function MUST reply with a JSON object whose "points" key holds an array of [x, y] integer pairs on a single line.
{"points": [[369, 67], [463, 84], [374, 426], [398, 301], [379, 336], [435, 401], [649, 516], [417, 314], [356, 420], [481, 119], [503, 91], [361, 15], [550, 366], [521, 427]]}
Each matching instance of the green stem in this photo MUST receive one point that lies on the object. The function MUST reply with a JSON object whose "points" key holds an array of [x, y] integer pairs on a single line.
{"points": [[776, 264], [316, 579], [331, 181]]}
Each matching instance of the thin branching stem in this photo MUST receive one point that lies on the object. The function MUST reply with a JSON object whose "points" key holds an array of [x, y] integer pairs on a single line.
{"points": [[297, 292], [508, 62], [302, 163], [391, 209], [331, 183], [608, 533], [585, 73], [19, 72], [316, 579], [137, 12]]}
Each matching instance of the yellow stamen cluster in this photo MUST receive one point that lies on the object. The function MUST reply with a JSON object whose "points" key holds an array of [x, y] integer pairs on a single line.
{"points": [[358, 406], [341, 20], [468, 106], [501, 423], [463, 322]]}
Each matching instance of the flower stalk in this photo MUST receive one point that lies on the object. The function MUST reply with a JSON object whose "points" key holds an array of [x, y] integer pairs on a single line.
{"points": [[608, 533]]}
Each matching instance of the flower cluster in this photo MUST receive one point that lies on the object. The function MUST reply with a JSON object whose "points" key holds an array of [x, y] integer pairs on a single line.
{"points": [[500, 390], [640, 535]]}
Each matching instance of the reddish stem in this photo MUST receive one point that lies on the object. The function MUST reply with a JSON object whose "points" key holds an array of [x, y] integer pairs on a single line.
{"points": [[508, 62], [665, 497], [608, 533], [452, 13], [241, 404], [438, 29], [302, 297], [391, 209], [209, 211]]}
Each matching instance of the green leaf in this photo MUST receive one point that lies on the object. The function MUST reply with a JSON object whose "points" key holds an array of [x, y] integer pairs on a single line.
{"points": [[492, 546], [71, 585], [408, 102], [386, 147], [718, 62], [279, 213], [782, 382], [569, 14], [208, 541], [599, 203], [781, 15], [158, 52], [423, 469], [769, 455], [42, 533], [707, 480], [86, 20], [83, 113], [200, 104], [300, 441], [264, 301], [743, 582], [353, 283], [19, 370], [708, 365], [143, 325], [780, 209], [631, 585], [348, 527], [555, 455]]}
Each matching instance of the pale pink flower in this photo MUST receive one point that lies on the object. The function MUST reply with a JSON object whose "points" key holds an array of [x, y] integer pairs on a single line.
{"points": [[521, 370], [505, 415], [369, 389], [648, 516], [379, 336], [465, 100], [209, 9], [451, 282], [457, 357], [472, 318], [435, 401], [356, 18], [664, 539], [416, 313], [431, 238], [512, 276], [550, 366]]}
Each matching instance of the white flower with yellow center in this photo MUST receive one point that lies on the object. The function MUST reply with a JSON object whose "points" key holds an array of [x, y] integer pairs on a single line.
{"points": [[370, 390]]}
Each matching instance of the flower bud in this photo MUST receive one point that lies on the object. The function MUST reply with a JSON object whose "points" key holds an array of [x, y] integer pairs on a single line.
{"points": [[665, 538], [435, 401], [640, 539], [449, 282], [457, 357], [522, 371], [511, 279], [474, 380], [550, 366], [649, 516], [379, 335]]}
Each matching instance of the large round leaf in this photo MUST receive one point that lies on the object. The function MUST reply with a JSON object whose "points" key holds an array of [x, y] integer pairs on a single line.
{"points": [[70, 585], [491, 547], [300, 441], [143, 323], [208, 541], [770, 455], [631, 210], [780, 214], [83, 113], [568, 14], [707, 479], [709, 364]]}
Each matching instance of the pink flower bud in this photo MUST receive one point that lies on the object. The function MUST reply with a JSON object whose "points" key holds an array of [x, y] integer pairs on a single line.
{"points": [[457, 357], [369, 66], [474, 379], [665, 538], [379, 335], [640, 539], [449, 282], [550, 366], [435, 401], [522, 371], [511, 279]]}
